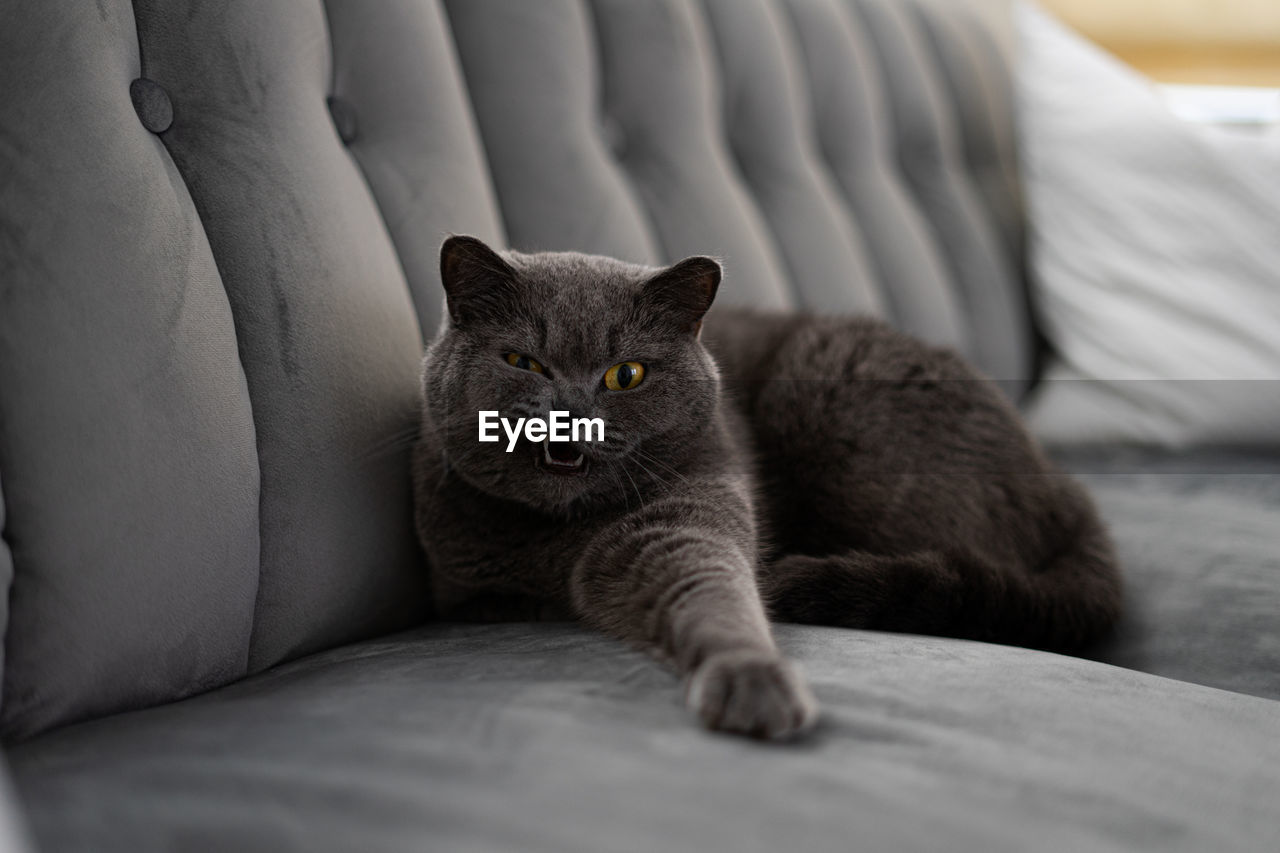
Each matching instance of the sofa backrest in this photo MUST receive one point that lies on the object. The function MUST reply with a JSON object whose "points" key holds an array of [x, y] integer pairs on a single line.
{"points": [[218, 236], [209, 348], [840, 155]]}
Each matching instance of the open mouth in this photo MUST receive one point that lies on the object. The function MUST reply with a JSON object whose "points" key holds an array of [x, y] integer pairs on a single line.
{"points": [[561, 458]]}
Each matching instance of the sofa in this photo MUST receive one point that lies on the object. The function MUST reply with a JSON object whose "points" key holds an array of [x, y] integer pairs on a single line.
{"points": [[219, 226]]}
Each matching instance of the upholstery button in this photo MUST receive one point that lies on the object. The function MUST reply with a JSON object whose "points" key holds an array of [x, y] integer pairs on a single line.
{"points": [[151, 103], [344, 119]]}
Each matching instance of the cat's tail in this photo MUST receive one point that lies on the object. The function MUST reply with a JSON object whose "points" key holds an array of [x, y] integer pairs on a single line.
{"points": [[1072, 599]]}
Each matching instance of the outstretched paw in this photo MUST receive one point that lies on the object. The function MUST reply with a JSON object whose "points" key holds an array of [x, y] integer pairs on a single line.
{"points": [[751, 693]]}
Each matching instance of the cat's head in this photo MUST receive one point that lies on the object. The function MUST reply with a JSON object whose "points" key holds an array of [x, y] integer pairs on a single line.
{"points": [[526, 334]]}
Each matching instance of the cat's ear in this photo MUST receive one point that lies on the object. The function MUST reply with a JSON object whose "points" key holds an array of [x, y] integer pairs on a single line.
{"points": [[685, 290], [477, 281]]}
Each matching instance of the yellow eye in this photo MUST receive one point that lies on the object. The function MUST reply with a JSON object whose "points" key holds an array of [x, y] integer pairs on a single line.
{"points": [[523, 362], [624, 377]]}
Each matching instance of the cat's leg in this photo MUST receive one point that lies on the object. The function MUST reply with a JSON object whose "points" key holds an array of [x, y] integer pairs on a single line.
{"points": [[919, 592], [677, 578], [1067, 601]]}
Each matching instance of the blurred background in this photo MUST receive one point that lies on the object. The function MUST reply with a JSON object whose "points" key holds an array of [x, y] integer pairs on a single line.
{"points": [[1218, 60]]}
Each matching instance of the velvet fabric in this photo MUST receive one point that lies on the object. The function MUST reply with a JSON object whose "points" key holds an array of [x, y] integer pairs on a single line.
{"points": [[127, 436], [550, 738]]}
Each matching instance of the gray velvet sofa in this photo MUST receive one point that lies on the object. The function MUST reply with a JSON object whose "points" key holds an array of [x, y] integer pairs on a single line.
{"points": [[215, 285]]}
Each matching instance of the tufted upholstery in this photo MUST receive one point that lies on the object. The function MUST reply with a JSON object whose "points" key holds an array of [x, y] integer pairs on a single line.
{"points": [[420, 154], [210, 333], [127, 438], [323, 316], [771, 135], [930, 159], [531, 79]]}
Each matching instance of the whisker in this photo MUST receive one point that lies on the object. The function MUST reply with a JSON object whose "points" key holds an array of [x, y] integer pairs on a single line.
{"points": [[656, 461], [622, 489], [667, 488], [639, 497]]}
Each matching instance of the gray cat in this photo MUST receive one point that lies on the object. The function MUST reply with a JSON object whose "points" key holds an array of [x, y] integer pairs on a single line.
{"points": [[842, 473]]}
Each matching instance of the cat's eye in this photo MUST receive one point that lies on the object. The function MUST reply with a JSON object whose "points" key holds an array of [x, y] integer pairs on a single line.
{"points": [[624, 376], [523, 362]]}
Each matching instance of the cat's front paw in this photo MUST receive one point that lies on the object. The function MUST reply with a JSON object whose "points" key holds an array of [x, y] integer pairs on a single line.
{"points": [[754, 694]]}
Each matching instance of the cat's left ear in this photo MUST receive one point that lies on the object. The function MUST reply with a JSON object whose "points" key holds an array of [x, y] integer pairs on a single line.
{"points": [[685, 290]]}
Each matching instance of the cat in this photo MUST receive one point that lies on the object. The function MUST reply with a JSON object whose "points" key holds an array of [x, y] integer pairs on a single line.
{"points": [[840, 473]]}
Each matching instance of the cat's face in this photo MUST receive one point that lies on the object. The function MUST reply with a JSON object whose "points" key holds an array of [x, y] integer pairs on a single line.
{"points": [[528, 334]]}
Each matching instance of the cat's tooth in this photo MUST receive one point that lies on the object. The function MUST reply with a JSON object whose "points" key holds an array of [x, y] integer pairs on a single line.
{"points": [[546, 451]]}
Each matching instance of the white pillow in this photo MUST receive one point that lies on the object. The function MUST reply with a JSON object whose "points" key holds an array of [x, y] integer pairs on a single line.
{"points": [[1155, 256]]}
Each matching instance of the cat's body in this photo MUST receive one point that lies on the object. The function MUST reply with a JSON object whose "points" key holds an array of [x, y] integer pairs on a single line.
{"points": [[895, 489], [902, 493]]}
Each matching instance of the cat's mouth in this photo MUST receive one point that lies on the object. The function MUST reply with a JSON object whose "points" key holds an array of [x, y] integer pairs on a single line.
{"points": [[561, 458]]}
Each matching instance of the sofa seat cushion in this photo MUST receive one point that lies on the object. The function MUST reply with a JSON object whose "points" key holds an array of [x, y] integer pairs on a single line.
{"points": [[1199, 539], [549, 737]]}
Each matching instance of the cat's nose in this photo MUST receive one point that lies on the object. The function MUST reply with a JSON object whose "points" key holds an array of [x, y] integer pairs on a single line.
{"points": [[576, 407], [582, 422]]}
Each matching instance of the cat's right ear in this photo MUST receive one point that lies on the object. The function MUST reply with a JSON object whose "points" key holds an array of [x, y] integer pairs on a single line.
{"points": [[685, 290], [477, 281]]}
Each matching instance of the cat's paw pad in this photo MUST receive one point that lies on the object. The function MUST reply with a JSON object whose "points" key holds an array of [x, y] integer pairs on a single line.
{"points": [[750, 693]]}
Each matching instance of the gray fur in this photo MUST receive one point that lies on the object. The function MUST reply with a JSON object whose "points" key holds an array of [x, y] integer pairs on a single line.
{"points": [[659, 542]]}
